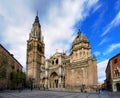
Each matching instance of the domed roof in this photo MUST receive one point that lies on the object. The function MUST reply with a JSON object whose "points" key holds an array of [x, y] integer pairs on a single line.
{"points": [[80, 38]]}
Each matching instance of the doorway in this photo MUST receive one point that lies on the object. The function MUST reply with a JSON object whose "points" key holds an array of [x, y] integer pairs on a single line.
{"points": [[54, 80], [118, 86]]}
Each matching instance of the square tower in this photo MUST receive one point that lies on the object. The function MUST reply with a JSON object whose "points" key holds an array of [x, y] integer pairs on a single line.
{"points": [[35, 53]]}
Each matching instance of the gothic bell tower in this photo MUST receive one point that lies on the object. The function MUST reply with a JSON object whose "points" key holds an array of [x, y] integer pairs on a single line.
{"points": [[35, 53]]}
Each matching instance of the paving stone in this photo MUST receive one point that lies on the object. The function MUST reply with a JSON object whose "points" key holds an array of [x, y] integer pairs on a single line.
{"points": [[55, 94]]}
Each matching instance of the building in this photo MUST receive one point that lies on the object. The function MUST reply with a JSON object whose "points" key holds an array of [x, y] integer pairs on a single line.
{"points": [[78, 70], [113, 73], [35, 53], [8, 64]]}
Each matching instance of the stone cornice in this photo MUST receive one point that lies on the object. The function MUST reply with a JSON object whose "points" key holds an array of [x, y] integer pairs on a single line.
{"points": [[81, 41], [78, 66]]}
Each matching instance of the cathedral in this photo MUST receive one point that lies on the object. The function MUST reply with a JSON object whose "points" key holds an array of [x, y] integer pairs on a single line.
{"points": [[60, 71]]}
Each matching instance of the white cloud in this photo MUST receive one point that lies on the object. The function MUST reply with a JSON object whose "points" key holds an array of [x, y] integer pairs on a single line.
{"points": [[57, 25], [103, 41], [111, 48], [17, 19], [101, 70], [97, 53], [90, 3], [60, 22], [97, 6], [113, 23]]}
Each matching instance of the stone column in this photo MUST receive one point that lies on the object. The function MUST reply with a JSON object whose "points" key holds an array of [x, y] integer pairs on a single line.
{"points": [[59, 82], [46, 74], [48, 84], [114, 87], [60, 60]]}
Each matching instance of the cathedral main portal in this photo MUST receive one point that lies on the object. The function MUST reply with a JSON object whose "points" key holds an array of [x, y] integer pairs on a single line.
{"points": [[53, 80]]}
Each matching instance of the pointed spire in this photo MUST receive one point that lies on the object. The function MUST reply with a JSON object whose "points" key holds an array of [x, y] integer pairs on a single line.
{"points": [[36, 18]]}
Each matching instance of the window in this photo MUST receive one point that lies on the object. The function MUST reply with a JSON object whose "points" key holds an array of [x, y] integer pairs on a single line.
{"points": [[17, 70], [3, 73], [30, 46], [12, 66], [76, 55], [57, 61], [115, 61], [53, 62], [4, 60], [117, 72], [39, 48], [80, 53]]}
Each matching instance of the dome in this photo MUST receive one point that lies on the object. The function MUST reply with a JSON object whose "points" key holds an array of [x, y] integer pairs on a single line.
{"points": [[80, 38]]}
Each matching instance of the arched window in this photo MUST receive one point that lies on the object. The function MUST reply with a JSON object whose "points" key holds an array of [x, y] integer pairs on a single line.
{"points": [[53, 62], [76, 54], [84, 53], [80, 53], [57, 61], [39, 48]]}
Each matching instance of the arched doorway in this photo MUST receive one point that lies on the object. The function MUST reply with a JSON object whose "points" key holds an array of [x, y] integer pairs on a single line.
{"points": [[118, 86], [54, 80]]}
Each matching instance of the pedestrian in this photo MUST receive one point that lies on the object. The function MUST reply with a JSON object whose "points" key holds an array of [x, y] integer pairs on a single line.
{"points": [[99, 91], [44, 88], [31, 87], [81, 90]]}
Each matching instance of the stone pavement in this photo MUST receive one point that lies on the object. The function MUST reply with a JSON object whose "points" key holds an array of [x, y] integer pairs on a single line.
{"points": [[55, 94]]}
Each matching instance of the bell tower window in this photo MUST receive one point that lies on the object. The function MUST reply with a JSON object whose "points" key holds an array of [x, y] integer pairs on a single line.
{"points": [[39, 48]]}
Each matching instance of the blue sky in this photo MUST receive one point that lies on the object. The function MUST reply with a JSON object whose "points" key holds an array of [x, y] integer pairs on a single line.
{"points": [[60, 20]]}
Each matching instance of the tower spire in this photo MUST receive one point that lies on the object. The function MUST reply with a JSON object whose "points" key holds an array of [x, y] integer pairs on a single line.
{"points": [[36, 18], [37, 12]]}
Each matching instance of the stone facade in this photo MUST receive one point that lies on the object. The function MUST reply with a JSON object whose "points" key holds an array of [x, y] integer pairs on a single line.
{"points": [[113, 74], [8, 64], [55, 71], [35, 53], [61, 71]]}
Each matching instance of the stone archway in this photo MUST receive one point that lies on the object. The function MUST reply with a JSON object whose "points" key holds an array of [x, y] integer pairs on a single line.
{"points": [[118, 86], [54, 80]]}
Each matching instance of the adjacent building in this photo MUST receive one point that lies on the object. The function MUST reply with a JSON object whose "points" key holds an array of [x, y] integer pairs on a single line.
{"points": [[60, 71], [113, 73], [8, 64]]}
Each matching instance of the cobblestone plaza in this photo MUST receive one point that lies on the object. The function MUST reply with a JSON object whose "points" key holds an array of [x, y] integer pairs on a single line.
{"points": [[56, 94]]}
